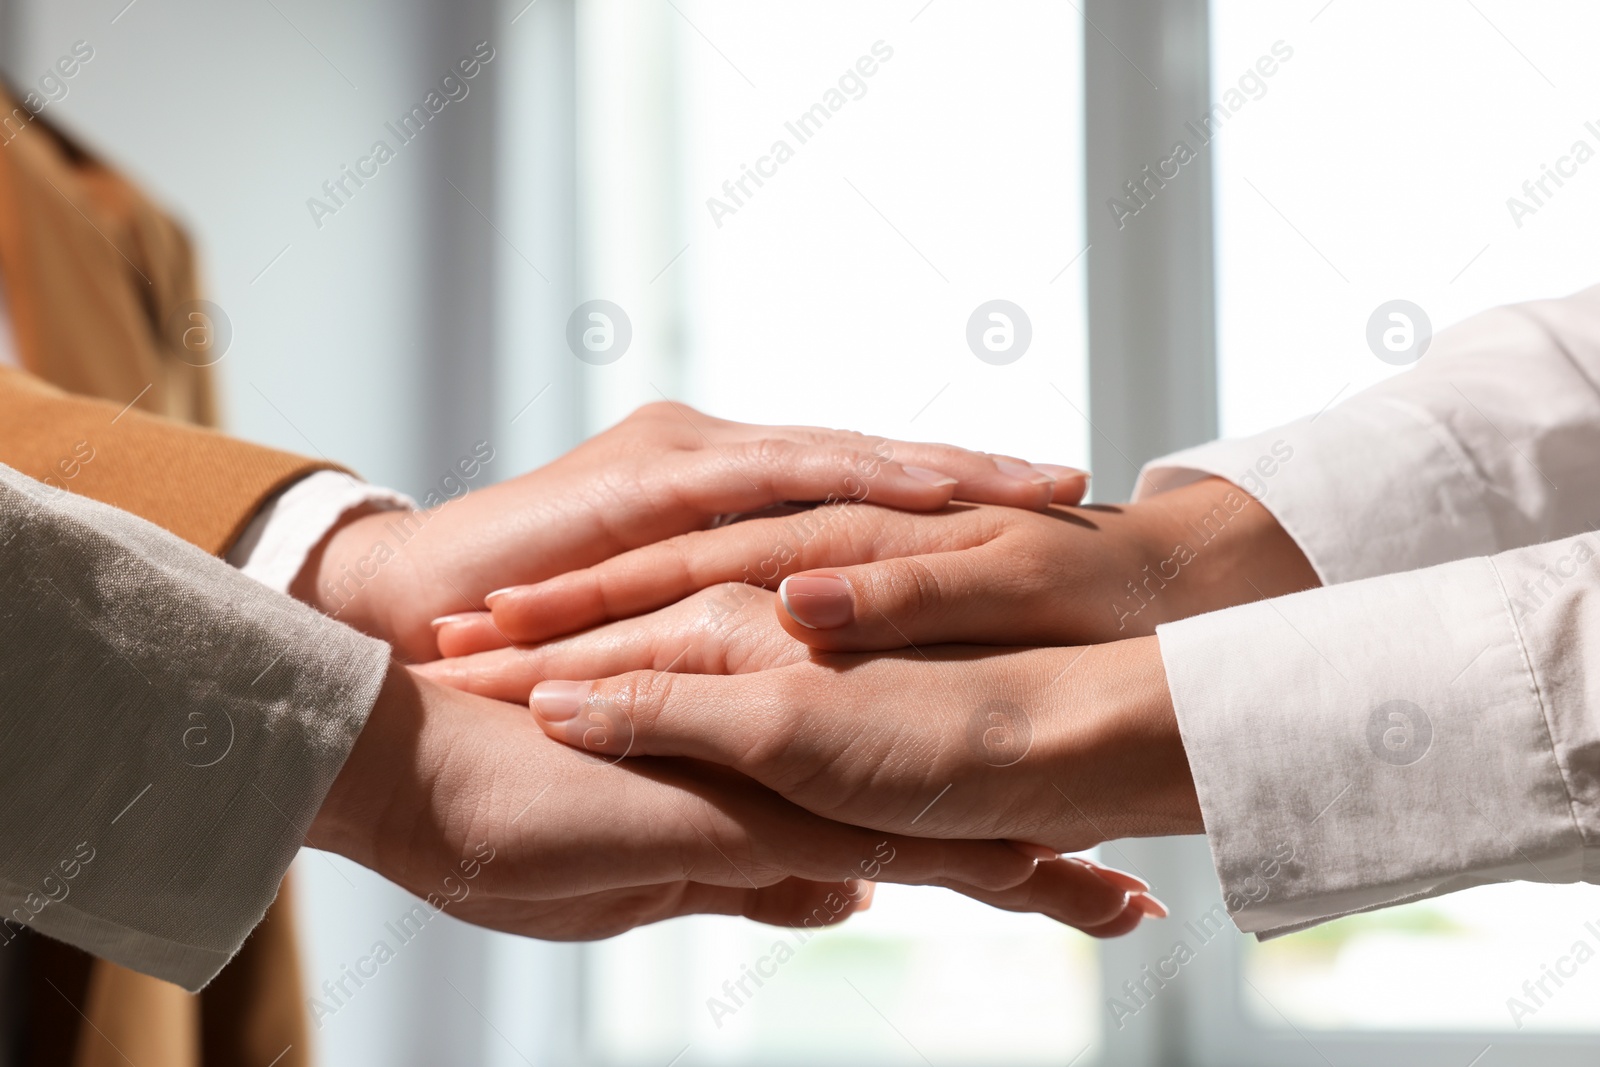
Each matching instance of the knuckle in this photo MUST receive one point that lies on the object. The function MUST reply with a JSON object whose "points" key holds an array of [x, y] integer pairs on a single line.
{"points": [[769, 453], [641, 698], [913, 587]]}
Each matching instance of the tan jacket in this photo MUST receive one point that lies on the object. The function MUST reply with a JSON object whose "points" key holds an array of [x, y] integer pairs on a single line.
{"points": [[94, 276]]}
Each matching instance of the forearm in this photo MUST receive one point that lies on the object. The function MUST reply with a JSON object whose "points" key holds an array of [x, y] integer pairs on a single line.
{"points": [[1116, 755]]}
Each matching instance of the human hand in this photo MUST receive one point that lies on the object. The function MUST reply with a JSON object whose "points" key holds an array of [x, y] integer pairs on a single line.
{"points": [[1063, 748], [567, 846], [1087, 753], [857, 577], [663, 471]]}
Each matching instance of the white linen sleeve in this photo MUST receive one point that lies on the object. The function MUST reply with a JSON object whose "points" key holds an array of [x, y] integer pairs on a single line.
{"points": [[1397, 737], [171, 728], [274, 546], [1489, 443]]}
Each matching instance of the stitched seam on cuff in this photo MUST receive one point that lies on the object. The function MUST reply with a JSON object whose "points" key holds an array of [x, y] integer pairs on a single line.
{"points": [[1538, 695]]}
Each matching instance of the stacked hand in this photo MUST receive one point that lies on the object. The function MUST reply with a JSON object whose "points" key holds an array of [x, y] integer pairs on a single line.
{"points": [[587, 845], [1062, 747]]}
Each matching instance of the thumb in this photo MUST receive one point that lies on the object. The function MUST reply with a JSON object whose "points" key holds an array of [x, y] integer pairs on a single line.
{"points": [[948, 597]]}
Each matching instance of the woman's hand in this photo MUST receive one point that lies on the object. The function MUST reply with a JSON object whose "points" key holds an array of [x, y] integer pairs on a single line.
{"points": [[856, 577], [1064, 748], [727, 629], [1016, 752], [444, 790], [663, 471]]}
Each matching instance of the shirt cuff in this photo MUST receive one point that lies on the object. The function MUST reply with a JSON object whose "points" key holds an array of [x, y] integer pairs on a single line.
{"points": [[1368, 744], [1320, 477], [274, 547]]}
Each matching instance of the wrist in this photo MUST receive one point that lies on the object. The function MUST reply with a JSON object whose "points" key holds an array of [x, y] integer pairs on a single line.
{"points": [[354, 573], [1122, 767], [1211, 545], [387, 808]]}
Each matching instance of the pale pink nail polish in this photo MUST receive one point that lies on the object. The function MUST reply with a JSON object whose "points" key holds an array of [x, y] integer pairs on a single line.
{"points": [[558, 701], [1023, 472], [446, 620], [1150, 905], [1060, 473], [817, 601], [932, 477], [489, 599]]}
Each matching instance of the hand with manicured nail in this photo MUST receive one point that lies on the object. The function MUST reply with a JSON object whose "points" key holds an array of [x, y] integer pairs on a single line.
{"points": [[1061, 747], [856, 577], [665, 470], [445, 791], [1056, 746], [733, 629]]}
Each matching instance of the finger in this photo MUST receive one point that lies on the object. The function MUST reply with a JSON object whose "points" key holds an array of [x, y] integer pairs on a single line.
{"points": [[649, 713], [467, 632], [676, 820], [982, 478], [606, 913], [759, 552], [1131, 883], [799, 902], [790, 902], [1072, 484], [720, 630], [940, 598], [772, 838], [1066, 891], [748, 475]]}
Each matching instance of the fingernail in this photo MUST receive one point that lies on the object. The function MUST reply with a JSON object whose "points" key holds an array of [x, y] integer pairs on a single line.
{"points": [[1149, 905], [1043, 853], [817, 601], [1122, 878], [558, 701], [1023, 471], [490, 598], [446, 620], [1060, 473], [864, 896], [932, 477]]}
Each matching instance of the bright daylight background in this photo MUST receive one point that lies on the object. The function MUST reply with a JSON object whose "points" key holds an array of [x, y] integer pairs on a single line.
{"points": [[429, 314]]}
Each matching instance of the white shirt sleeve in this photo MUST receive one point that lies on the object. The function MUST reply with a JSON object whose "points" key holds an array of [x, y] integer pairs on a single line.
{"points": [[1412, 732], [1489, 443], [171, 728], [1397, 737], [275, 544]]}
